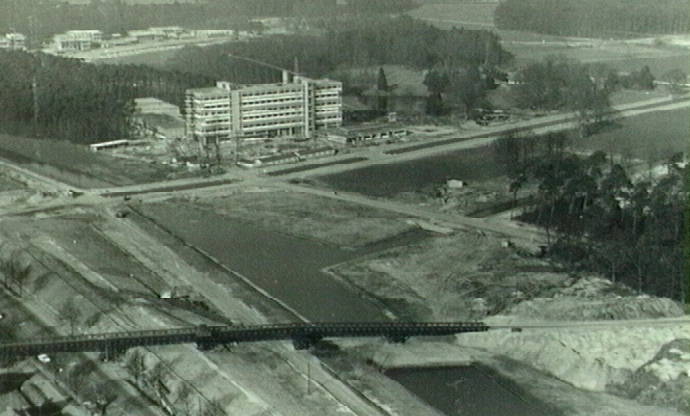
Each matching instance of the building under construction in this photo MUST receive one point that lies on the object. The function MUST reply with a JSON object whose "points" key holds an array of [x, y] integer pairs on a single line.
{"points": [[295, 107]]}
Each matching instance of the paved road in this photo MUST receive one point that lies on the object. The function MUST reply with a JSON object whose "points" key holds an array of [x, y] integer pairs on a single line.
{"points": [[392, 154], [684, 320]]}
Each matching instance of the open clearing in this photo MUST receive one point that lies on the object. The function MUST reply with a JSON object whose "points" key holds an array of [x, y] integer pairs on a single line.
{"points": [[323, 219], [155, 59], [9, 184], [619, 55], [530, 46], [457, 14], [412, 276], [651, 137]]}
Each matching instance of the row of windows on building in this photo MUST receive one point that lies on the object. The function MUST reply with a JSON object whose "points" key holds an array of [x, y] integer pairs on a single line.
{"points": [[210, 102], [249, 94], [280, 100]]}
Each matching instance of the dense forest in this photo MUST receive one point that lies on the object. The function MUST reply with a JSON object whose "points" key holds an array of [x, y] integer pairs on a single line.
{"points": [[594, 17], [353, 43], [600, 218], [47, 96], [40, 19]]}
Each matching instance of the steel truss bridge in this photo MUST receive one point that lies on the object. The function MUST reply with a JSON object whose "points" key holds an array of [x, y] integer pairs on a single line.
{"points": [[303, 336]]}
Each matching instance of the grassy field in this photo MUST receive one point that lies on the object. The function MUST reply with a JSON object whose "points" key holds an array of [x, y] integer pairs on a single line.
{"points": [[312, 217], [631, 96], [9, 184], [158, 59], [448, 14], [530, 46], [651, 137], [618, 55], [76, 165]]}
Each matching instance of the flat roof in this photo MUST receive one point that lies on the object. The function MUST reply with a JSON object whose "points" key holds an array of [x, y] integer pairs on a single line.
{"points": [[282, 156], [268, 87], [208, 91]]}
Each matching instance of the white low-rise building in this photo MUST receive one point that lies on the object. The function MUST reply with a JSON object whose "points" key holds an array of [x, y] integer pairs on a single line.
{"points": [[13, 41], [78, 40]]}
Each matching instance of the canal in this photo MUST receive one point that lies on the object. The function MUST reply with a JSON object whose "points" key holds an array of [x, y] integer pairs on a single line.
{"points": [[285, 266], [289, 268], [474, 390], [653, 137]]}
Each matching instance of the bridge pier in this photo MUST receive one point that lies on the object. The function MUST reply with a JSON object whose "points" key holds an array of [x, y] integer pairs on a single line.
{"points": [[206, 345], [304, 343], [110, 352], [397, 338]]}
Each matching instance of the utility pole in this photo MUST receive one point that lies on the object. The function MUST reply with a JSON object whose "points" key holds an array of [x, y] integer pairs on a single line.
{"points": [[308, 376], [34, 93], [34, 81], [237, 148]]}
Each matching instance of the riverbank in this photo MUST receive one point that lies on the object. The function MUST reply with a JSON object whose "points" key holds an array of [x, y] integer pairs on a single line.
{"points": [[500, 285], [366, 365]]}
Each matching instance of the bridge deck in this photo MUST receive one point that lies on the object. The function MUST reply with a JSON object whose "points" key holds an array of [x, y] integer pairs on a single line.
{"points": [[303, 333]]}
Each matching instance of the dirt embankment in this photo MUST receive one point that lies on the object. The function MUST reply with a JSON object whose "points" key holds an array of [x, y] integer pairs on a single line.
{"points": [[467, 275], [473, 276], [114, 272], [663, 380]]}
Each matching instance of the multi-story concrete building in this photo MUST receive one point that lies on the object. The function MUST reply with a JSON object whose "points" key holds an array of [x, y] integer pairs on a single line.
{"points": [[295, 107], [78, 40], [14, 41]]}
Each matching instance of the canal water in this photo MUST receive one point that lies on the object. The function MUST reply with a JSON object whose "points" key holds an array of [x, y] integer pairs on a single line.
{"points": [[285, 266], [385, 180], [655, 135], [473, 390]]}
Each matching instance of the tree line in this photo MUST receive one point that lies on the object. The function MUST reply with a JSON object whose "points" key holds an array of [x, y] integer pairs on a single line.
{"points": [[594, 17], [600, 219], [461, 63], [40, 19], [47, 96], [354, 43], [562, 83]]}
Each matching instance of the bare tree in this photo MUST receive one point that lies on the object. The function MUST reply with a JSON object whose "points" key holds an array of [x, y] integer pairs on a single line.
{"points": [[14, 272], [136, 366], [212, 408], [102, 395], [78, 373], [154, 378], [182, 399], [70, 314]]}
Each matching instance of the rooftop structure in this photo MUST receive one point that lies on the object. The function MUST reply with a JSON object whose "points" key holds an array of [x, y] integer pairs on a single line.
{"points": [[158, 118], [146, 35], [169, 31], [210, 33], [152, 105], [366, 133], [294, 107], [14, 41]]}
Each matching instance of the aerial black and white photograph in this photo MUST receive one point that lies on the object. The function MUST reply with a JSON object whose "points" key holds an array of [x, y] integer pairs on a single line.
{"points": [[344, 208]]}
